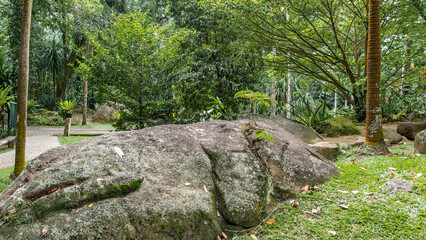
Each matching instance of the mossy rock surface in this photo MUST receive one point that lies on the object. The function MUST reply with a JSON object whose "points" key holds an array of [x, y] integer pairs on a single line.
{"points": [[340, 126], [164, 182]]}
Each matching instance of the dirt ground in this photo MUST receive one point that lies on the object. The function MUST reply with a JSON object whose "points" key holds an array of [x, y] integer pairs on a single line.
{"points": [[352, 138]]}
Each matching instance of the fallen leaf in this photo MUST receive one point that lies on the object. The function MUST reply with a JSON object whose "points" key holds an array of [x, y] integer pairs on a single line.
{"points": [[346, 207], [253, 237], [295, 204], [187, 184], [413, 173], [391, 174], [44, 230], [90, 205], [119, 151], [224, 235], [304, 189], [355, 192], [342, 191], [53, 189], [270, 221], [392, 169], [363, 168], [218, 213], [205, 188], [332, 233], [314, 211]]}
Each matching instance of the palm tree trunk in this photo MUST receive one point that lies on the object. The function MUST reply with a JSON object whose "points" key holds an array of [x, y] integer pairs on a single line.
{"points": [[374, 130], [23, 72]]}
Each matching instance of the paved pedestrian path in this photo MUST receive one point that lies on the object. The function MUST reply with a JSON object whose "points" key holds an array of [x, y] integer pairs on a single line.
{"points": [[41, 139]]}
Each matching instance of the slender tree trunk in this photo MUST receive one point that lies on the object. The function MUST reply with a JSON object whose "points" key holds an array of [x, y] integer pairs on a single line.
{"points": [[84, 121], [374, 130], [288, 106], [23, 72], [273, 105], [335, 103], [54, 84]]}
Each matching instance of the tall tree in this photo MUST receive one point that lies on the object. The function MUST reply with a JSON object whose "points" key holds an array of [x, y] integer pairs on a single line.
{"points": [[23, 70], [374, 130]]}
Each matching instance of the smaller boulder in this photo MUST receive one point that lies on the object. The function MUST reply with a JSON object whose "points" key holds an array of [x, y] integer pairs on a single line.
{"points": [[359, 142], [104, 114], [392, 136], [410, 129], [397, 186], [340, 126], [420, 142], [328, 150]]}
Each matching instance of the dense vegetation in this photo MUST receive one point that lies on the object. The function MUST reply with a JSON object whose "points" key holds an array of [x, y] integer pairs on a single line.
{"points": [[160, 61]]}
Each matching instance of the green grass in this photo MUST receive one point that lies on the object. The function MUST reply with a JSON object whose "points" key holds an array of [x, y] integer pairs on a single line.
{"points": [[6, 150], [72, 139], [4, 178], [94, 126], [377, 216]]}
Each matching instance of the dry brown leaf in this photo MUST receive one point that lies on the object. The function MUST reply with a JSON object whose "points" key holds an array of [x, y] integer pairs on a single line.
{"points": [[270, 221], [218, 213], [44, 230], [295, 204], [304, 189], [224, 235]]}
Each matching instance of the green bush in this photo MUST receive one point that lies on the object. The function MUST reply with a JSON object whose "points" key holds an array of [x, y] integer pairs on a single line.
{"points": [[46, 118]]}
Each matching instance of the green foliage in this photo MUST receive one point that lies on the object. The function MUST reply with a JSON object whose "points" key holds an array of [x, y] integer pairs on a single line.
{"points": [[132, 65], [264, 135], [6, 132], [255, 98], [311, 113], [5, 96], [66, 105], [43, 117], [216, 110], [373, 213], [32, 105]]}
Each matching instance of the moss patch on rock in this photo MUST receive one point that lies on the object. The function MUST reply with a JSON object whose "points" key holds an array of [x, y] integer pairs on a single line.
{"points": [[340, 126]]}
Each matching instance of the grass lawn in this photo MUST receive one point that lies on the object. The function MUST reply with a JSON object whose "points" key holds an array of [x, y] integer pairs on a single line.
{"points": [[72, 139], [372, 213], [4, 178], [94, 126], [6, 150]]}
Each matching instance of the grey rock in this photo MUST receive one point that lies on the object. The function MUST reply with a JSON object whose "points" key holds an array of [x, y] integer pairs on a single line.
{"points": [[301, 131], [397, 186], [358, 142], [420, 142], [328, 150], [410, 129], [163, 182], [392, 136], [104, 114]]}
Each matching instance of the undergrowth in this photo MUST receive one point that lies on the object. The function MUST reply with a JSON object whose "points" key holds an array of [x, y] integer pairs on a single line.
{"points": [[372, 212]]}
